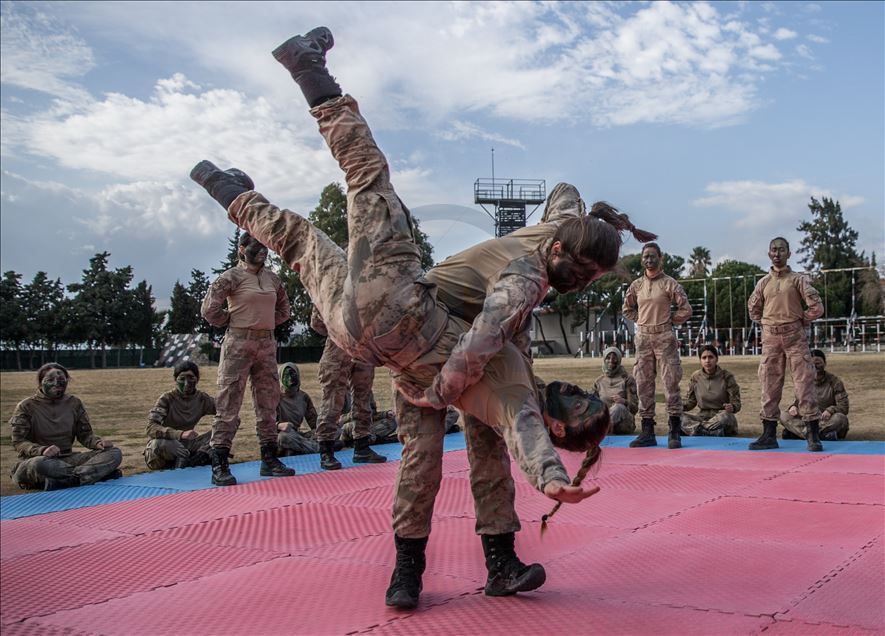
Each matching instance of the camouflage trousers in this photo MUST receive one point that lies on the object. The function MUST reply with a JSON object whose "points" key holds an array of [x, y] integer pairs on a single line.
{"points": [[712, 424], [90, 467], [421, 431], [241, 359], [338, 374], [162, 453], [296, 443], [653, 351], [781, 344], [835, 428], [382, 431], [623, 421]]}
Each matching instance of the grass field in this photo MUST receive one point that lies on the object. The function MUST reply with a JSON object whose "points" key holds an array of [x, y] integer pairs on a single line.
{"points": [[118, 400]]}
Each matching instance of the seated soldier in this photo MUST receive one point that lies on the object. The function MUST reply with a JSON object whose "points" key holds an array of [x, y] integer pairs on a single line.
{"points": [[717, 395], [617, 389], [171, 423], [294, 410], [43, 430], [832, 400]]}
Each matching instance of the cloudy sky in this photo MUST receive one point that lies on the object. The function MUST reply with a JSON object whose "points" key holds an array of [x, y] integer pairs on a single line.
{"points": [[711, 124]]}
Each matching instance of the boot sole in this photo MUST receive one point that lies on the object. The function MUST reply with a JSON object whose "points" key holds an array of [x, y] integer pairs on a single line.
{"points": [[232, 482], [370, 460], [338, 467], [403, 604], [643, 444], [270, 473], [761, 447], [534, 578], [279, 53]]}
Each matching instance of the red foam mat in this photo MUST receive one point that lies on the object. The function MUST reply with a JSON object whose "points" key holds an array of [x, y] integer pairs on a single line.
{"points": [[813, 524], [39, 584], [19, 537], [710, 542]]}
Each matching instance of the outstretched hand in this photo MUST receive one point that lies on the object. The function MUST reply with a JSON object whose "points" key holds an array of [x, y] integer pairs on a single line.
{"points": [[564, 493]]}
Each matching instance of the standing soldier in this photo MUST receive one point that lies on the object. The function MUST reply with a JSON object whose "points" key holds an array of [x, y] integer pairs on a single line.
{"points": [[776, 302], [338, 374], [617, 389], [648, 303], [174, 442], [832, 400], [256, 304]]}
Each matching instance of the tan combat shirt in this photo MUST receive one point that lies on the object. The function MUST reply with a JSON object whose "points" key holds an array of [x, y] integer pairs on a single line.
{"points": [[38, 423], [254, 301], [831, 394], [710, 393], [648, 301], [777, 299], [175, 413], [621, 384]]}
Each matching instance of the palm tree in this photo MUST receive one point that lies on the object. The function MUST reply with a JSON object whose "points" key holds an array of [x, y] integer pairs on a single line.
{"points": [[699, 262]]}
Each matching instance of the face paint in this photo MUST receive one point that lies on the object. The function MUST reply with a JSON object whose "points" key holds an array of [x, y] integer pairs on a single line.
{"points": [[186, 383], [255, 253], [570, 404], [651, 260], [54, 384], [778, 253], [290, 379], [819, 364]]}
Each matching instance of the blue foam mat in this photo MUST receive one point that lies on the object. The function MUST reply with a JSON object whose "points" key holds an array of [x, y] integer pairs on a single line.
{"points": [[164, 482]]}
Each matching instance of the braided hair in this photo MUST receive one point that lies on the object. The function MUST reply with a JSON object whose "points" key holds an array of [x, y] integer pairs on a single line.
{"points": [[591, 459]]}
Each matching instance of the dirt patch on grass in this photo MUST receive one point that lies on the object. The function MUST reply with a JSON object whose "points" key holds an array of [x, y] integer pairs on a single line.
{"points": [[118, 401]]}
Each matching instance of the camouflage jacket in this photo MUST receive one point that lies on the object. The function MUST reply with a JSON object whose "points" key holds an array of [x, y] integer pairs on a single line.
{"points": [[777, 299], [38, 423], [175, 413]]}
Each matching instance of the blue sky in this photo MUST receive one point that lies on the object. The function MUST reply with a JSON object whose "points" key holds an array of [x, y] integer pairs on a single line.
{"points": [[710, 124]]}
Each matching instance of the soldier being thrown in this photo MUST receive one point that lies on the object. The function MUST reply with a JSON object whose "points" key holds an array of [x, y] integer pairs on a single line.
{"points": [[380, 307], [776, 302], [716, 394], [832, 400], [339, 373], [256, 304], [647, 303], [295, 407], [171, 423], [617, 389], [43, 430]]}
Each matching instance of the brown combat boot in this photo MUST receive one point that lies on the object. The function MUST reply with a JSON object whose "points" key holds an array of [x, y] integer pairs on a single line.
{"points": [[673, 439], [405, 583], [507, 574], [812, 436], [768, 439], [327, 456], [221, 475], [647, 436], [304, 56], [271, 466], [362, 454]]}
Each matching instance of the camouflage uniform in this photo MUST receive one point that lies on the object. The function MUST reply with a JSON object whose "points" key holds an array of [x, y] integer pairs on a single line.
{"points": [[382, 430], [647, 303], [380, 308], [711, 393], [40, 422], [296, 408], [618, 383], [776, 302], [339, 373], [832, 398], [173, 414], [256, 304]]}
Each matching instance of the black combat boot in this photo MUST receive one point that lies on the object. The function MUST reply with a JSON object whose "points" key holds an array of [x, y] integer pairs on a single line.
{"points": [[304, 56], [507, 574], [222, 185], [116, 474], [59, 483], [768, 439], [647, 436], [362, 454], [673, 439], [182, 462], [220, 469], [405, 583], [200, 458], [812, 436], [327, 456], [271, 466], [788, 434]]}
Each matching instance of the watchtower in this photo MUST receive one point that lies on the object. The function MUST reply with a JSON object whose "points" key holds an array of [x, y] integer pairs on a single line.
{"points": [[510, 198]]}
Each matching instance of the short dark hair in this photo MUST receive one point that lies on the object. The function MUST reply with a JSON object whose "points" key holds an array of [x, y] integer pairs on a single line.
{"points": [[49, 366], [654, 246], [817, 353], [710, 348], [186, 365], [779, 238]]}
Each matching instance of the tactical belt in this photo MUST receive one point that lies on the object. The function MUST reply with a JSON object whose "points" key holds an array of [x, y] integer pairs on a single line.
{"points": [[787, 328], [655, 328], [251, 334]]}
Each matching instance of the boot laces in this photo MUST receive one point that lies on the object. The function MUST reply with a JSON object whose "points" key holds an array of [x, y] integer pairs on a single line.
{"points": [[406, 575]]}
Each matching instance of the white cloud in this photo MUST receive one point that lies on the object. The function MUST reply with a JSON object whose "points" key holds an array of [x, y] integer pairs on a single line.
{"points": [[784, 34], [462, 130], [817, 39], [805, 52]]}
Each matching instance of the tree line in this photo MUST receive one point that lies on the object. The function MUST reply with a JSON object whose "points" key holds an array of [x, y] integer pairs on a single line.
{"points": [[103, 310]]}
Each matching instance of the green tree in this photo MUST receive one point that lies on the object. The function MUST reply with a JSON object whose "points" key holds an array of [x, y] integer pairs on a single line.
{"points": [[197, 289], [728, 296], [699, 262], [330, 214], [233, 254], [13, 319], [145, 319], [181, 318], [42, 301], [872, 302]]}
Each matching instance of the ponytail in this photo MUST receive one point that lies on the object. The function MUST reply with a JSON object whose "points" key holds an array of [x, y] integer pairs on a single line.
{"points": [[621, 222]]}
